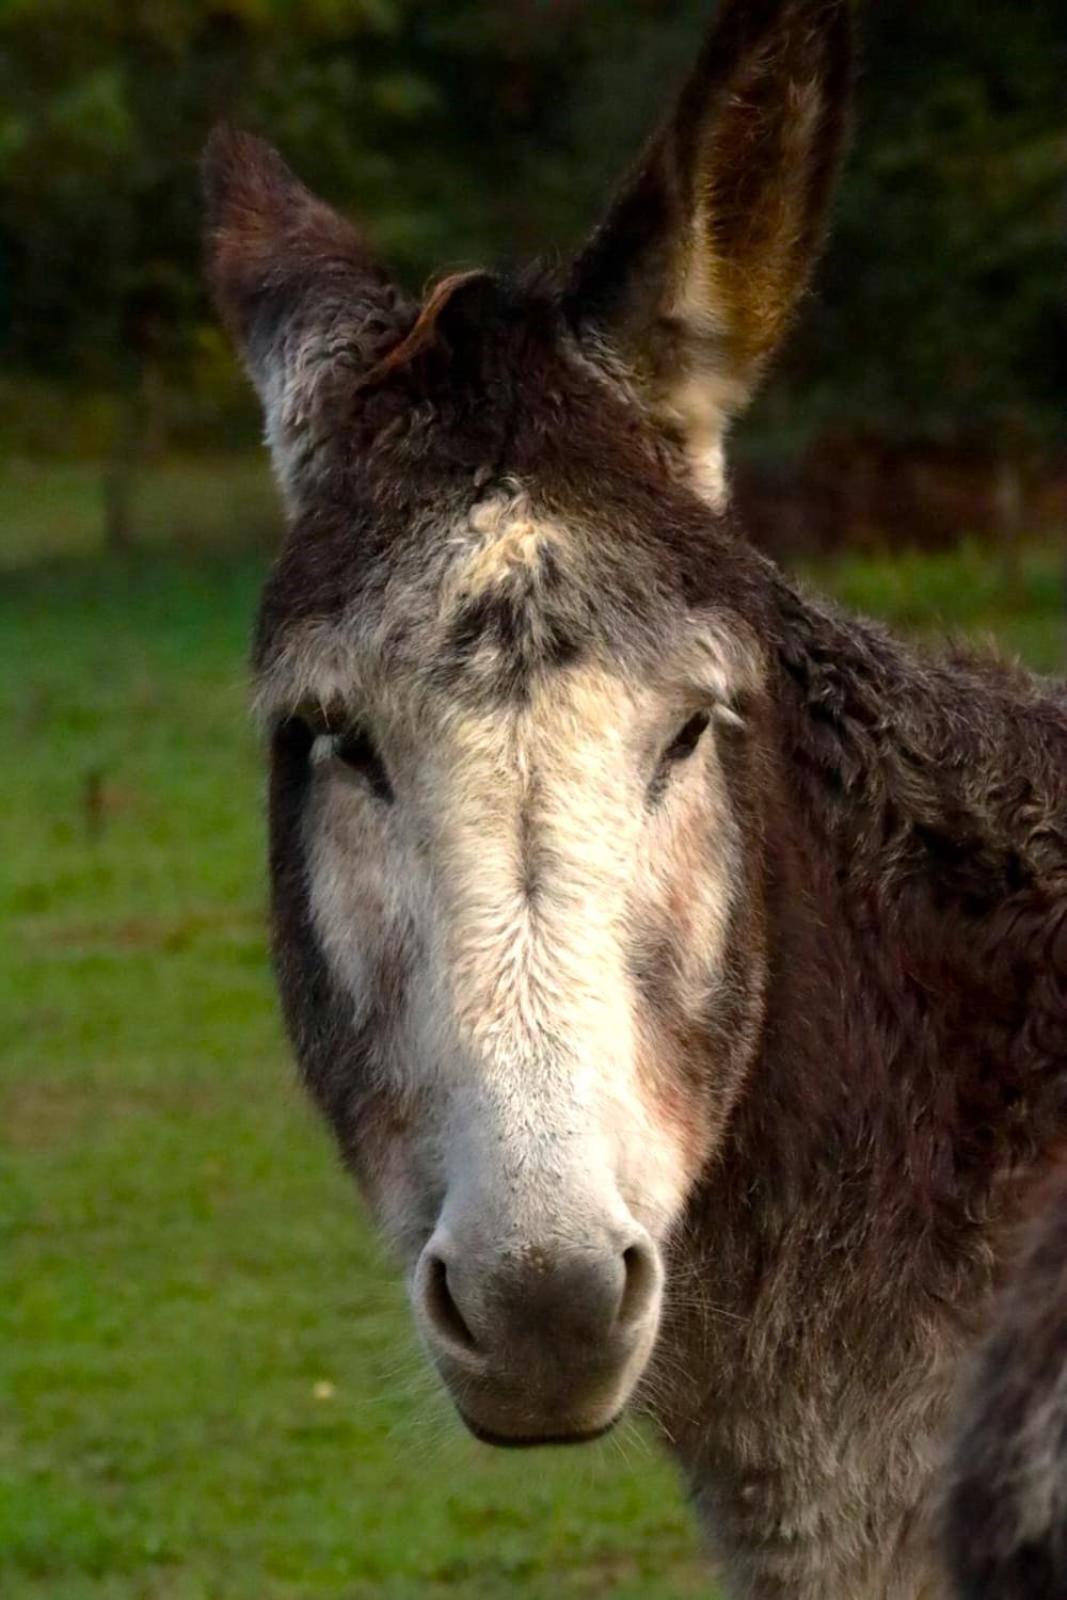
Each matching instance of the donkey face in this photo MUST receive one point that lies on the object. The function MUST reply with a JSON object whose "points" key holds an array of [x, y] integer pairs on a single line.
{"points": [[505, 656]]}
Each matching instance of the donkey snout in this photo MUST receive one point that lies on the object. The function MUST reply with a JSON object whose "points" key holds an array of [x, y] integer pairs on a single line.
{"points": [[540, 1342], [579, 1298]]}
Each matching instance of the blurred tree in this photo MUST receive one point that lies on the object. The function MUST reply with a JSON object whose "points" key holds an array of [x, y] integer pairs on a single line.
{"points": [[943, 302], [944, 296], [941, 312], [105, 104]]}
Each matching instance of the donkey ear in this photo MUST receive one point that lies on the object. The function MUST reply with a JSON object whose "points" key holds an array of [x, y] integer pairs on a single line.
{"points": [[695, 272], [308, 307]]}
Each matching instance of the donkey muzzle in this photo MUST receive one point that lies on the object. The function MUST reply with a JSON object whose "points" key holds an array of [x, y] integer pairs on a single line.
{"points": [[539, 1341]]}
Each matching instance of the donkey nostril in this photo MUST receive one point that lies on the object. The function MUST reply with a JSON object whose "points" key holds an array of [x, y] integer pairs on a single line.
{"points": [[639, 1287], [442, 1308]]}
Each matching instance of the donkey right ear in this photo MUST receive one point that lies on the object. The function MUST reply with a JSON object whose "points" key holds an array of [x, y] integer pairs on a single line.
{"points": [[694, 275], [309, 309]]}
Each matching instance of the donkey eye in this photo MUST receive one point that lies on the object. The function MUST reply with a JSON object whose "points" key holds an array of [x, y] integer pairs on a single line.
{"points": [[358, 751], [686, 739], [680, 749]]}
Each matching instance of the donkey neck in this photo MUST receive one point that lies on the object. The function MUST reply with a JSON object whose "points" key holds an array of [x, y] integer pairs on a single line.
{"points": [[949, 773], [910, 1068], [919, 910]]}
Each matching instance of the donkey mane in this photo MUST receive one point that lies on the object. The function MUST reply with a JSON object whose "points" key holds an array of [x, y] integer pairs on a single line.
{"points": [[933, 786]]}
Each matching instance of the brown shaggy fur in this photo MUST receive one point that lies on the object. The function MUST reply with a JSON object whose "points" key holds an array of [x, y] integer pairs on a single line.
{"points": [[1007, 1508]]}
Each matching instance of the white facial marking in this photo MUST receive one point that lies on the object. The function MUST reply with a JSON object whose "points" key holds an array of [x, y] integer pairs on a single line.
{"points": [[518, 866], [507, 536]]}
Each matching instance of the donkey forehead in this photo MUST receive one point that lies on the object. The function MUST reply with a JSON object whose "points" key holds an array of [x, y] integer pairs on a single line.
{"points": [[480, 604]]}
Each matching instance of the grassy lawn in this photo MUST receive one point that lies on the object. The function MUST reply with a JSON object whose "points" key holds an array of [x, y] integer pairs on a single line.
{"points": [[208, 1387]]}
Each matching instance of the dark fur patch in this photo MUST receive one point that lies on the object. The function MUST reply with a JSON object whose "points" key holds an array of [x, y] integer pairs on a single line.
{"points": [[520, 626]]}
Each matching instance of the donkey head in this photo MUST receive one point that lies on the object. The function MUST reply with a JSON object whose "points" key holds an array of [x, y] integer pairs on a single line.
{"points": [[507, 657]]}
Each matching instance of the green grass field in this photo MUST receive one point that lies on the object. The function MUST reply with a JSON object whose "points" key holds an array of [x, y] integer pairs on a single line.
{"points": [[208, 1387]]}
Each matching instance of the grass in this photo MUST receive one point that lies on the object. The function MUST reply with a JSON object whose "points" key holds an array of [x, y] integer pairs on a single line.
{"points": [[208, 1387], [53, 508], [963, 593]]}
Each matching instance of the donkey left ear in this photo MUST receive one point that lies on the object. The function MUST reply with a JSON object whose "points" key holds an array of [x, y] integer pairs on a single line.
{"points": [[309, 309], [696, 270]]}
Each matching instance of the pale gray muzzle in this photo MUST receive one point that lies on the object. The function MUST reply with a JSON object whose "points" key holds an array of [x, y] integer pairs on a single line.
{"points": [[539, 1341]]}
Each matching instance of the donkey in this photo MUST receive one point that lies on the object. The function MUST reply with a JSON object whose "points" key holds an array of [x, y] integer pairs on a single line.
{"points": [[680, 963]]}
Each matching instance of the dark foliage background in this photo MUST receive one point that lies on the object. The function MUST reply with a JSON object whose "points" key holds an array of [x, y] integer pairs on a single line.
{"points": [[923, 392]]}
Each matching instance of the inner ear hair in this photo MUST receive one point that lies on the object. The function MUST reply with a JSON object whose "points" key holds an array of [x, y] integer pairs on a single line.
{"points": [[695, 272], [309, 308]]}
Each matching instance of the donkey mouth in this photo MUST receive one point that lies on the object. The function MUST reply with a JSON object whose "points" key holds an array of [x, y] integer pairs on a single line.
{"points": [[536, 1441]]}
